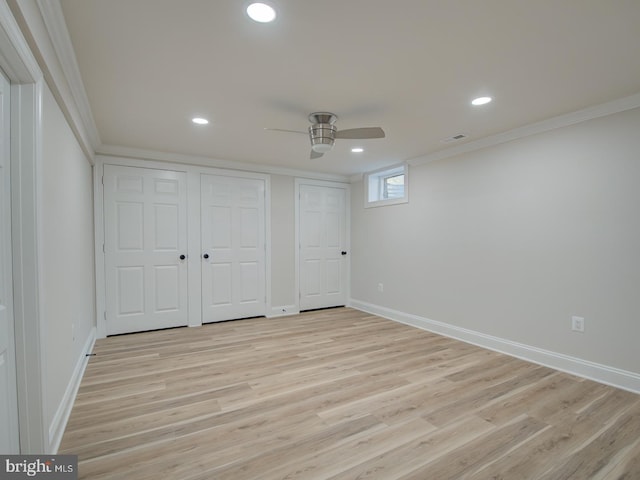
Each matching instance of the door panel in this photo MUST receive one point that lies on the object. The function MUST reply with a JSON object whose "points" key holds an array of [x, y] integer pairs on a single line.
{"points": [[249, 223], [130, 290], [233, 237], [145, 234], [166, 233], [167, 283], [221, 282], [322, 234], [249, 273], [129, 226], [334, 273]]}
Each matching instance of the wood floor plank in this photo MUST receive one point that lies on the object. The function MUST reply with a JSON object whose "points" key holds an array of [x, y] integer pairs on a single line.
{"points": [[404, 459], [472, 456], [259, 464], [339, 457], [171, 457], [562, 439], [626, 467], [470, 400], [597, 455], [339, 394]]}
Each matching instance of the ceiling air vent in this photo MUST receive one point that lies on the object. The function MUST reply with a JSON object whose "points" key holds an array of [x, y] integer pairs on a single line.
{"points": [[454, 138]]}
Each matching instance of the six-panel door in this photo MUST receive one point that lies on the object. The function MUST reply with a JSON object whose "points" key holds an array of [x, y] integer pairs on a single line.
{"points": [[145, 236], [233, 247], [322, 233]]}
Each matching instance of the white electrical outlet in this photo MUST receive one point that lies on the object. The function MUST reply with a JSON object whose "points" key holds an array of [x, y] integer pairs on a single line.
{"points": [[577, 324], [380, 287]]}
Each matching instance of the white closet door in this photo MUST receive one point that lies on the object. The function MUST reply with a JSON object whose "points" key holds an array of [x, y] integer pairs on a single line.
{"points": [[9, 437], [145, 236], [233, 247], [322, 234]]}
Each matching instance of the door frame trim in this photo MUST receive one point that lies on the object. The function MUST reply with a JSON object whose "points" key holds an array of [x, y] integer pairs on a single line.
{"points": [[6, 273], [27, 84], [347, 206]]}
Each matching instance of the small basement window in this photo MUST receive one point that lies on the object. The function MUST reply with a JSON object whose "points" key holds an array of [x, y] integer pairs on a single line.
{"points": [[388, 186]]}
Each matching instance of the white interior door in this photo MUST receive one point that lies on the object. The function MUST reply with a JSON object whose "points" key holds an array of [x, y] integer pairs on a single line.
{"points": [[9, 436], [145, 249], [233, 247], [322, 233]]}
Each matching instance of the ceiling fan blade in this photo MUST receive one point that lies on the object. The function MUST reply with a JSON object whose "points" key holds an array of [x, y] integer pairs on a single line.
{"points": [[315, 155], [284, 130], [357, 133]]}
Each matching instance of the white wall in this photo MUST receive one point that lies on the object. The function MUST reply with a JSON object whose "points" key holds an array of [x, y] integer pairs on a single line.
{"points": [[67, 273], [282, 242], [512, 240]]}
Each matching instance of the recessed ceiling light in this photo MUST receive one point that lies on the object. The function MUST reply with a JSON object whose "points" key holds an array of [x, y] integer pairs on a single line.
{"points": [[200, 121], [357, 150], [481, 100], [261, 12]]}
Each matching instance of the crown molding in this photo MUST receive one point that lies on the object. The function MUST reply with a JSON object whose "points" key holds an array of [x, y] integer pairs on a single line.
{"points": [[43, 25], [141, 154], [16, 58], [589, 113], [53, 17]]}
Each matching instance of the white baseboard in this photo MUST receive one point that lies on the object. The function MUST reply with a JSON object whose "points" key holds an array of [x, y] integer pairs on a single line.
{"points": [[60, 419], [576, 366], [283, 311]]}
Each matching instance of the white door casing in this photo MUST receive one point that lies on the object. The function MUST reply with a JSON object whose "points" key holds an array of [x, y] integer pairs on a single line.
{"points": [[233, 247], [322, 236], [9, 436], [145, 215]]}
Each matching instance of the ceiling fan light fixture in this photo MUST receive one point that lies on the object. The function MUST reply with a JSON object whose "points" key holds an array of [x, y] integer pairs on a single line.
{"points": [[261, 12], [322, 147]]}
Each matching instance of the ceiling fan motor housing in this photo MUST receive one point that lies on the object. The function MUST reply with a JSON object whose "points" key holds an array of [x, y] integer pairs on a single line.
{"points": [[322, 136]]}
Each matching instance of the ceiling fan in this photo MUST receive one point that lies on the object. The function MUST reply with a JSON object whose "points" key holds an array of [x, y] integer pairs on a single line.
{"points": [[323, 133]]}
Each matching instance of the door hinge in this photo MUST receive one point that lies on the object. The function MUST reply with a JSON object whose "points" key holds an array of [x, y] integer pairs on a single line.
{"points": [[105, 314], [104, 250], [102, 179]]}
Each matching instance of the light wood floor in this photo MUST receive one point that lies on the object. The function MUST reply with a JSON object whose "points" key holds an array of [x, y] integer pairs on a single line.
{"points": [[339, 394]]}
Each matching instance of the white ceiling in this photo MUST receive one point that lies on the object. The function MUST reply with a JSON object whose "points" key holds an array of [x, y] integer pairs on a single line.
{"points": [[409, 66]]}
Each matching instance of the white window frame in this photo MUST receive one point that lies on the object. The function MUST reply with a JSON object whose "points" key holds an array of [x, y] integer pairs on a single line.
{"points": [[374, 186]]}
